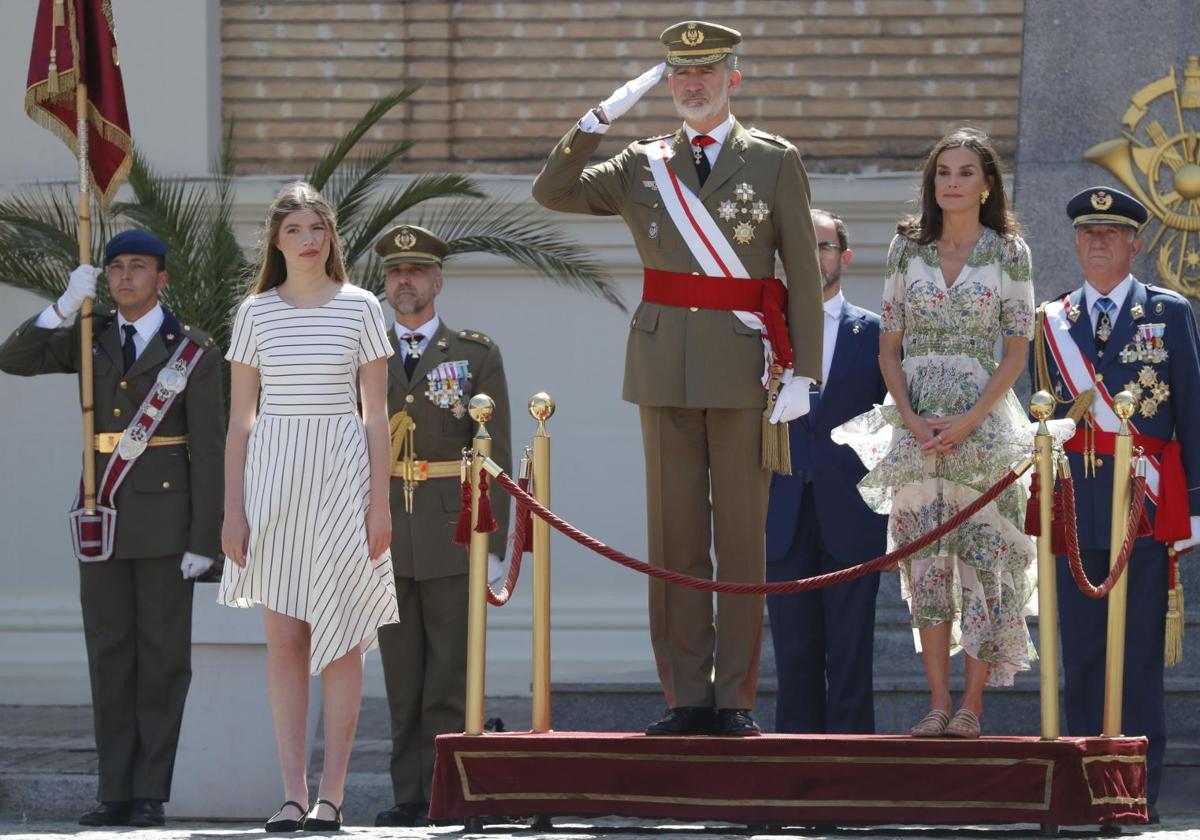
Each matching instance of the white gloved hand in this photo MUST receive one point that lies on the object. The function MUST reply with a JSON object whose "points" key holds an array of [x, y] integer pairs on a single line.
{"points": [[792, 401], [194, 565], [621, 100], [82, 285], [496, 571], [1182, 545]]}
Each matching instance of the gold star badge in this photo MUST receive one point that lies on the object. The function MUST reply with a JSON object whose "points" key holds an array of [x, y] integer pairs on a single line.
{"points": [[743, 233], [743, 192]]}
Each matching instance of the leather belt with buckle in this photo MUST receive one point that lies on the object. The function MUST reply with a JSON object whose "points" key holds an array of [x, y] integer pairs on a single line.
{"points": [[106, 442]]}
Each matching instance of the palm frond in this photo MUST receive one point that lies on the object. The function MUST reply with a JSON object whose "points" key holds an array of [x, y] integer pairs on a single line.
{"points": [[528, 238], [359, 237], [350, 188], [329, 162]]}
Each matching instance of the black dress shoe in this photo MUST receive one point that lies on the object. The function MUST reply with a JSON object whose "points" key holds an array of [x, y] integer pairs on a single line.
{"points": [[735, 722], [147, 813], [278, 823], [404, 814], [318, 824], [107, 813], [684, 720]]}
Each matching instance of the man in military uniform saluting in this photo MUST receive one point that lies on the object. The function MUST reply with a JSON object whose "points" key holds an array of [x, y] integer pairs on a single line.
{"points": [[431, 378], [1116, 333], [710, 206], [137, 602]]}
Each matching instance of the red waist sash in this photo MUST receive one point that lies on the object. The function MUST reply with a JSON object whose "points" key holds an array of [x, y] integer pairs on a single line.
{"points": [[1172, 518], [768, 297]]}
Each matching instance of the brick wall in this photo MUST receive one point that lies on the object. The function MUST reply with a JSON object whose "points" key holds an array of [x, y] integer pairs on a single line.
{"points": [[858, 85]]}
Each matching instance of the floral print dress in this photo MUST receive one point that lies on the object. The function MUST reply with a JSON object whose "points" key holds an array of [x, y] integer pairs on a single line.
{"points": [[981, 578]]}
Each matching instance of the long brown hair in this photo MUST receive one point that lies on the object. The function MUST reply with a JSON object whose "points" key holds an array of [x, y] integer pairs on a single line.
{"points": [[994, 213], [272, 270]]}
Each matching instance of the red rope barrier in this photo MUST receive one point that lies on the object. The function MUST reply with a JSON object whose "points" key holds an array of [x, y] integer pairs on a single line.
{"points": [[499, 599], [1137, 505], [734, 588]]}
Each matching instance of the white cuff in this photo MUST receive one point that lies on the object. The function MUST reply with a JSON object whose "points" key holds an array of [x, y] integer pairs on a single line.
{"points": [[48, 319], [591, 124]]}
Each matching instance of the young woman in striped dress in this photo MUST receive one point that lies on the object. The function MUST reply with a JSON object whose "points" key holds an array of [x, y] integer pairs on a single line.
{"points": [[307, 522]]}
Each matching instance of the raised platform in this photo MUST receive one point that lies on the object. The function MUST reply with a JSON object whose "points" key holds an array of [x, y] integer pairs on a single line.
{"points": [[792, 779]]}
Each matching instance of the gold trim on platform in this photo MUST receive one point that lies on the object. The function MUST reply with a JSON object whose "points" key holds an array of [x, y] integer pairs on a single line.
{"points": [[468, 796], [1112, 800]]}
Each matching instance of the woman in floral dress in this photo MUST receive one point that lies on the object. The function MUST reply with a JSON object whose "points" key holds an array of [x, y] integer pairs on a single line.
{"points": [[958, 281]]}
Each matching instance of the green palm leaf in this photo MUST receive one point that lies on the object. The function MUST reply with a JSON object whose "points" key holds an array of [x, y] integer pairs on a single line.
{"points": [[329, 162], [358, 237]]}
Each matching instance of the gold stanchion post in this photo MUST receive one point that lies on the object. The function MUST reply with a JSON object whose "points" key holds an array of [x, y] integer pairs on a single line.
{"points": [[541, 407], [1041, 406], [1124, 405], [480, 408]]}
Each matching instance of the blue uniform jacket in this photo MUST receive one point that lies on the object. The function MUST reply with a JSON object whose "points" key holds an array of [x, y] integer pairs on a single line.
{"points": [[849, 528], [1178, 416]]}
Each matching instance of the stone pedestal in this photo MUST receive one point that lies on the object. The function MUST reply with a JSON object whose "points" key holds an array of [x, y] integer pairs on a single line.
{"points": [[226, 766]]}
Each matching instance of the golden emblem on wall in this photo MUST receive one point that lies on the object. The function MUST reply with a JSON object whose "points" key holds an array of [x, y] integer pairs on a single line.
{"points": [[1158, 160], [692, 36]]}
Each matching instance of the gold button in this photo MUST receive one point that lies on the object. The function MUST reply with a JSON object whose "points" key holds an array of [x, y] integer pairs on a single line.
{"points": [[408, 398], [1099, 462], [122, 384], [633, 323], [1099, 378], [697, 273], [695, 309], [116, 412], [170, 336], [166, 485], [567, 150]]}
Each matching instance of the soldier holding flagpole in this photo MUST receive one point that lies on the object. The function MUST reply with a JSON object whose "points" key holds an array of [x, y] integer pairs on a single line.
{"points": [[715, 336], [152, 387]]}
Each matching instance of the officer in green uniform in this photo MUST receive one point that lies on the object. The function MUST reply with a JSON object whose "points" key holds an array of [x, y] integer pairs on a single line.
{"points": [[431, 377], [137, 604], [705, 200]]}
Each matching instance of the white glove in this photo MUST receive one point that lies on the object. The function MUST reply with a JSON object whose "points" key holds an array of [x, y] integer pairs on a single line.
{"points": [[496, 571], [194, 565], [1182, 545], [82, 285], [621, 100], [792, 401]]}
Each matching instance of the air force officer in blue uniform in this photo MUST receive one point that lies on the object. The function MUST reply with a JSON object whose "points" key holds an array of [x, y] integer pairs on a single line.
{"points": [[817, 522], [1116, 333]]}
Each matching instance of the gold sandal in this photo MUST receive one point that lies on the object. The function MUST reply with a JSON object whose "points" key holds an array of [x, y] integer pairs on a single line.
{"points": [[964, 724], [932, 725]]}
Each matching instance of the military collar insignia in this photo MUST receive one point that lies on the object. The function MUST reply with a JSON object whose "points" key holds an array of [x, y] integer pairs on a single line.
{"points": [[442, 344], [1137, 312], [1158, 308], [1073, 313], [857, 328]]}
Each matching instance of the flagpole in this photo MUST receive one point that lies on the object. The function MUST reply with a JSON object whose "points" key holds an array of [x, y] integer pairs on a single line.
{"points": [[87, 399]]}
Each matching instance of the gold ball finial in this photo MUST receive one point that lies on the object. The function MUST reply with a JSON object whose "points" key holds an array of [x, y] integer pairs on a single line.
{"points": [[481, 407], [1041, 405], [541, 406], [1124, 405]]}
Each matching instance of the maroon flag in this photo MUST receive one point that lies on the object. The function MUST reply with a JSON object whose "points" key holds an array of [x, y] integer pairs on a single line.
{"points": [[74, 42]]}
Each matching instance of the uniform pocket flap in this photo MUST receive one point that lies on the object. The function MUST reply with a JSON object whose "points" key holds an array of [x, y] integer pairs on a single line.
{"points": [[645, 318]]}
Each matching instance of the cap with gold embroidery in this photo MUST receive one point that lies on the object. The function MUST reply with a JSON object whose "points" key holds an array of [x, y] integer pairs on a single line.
{"points": [[1106, 206], [411, 244], [693, 42]]}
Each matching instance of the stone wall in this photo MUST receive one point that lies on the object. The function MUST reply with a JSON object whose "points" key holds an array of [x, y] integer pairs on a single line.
{"points": [[858, 85]]}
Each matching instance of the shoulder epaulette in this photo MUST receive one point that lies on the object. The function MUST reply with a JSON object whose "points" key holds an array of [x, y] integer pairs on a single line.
{"points": [[770, 138], [477, 337], [198, 335]]}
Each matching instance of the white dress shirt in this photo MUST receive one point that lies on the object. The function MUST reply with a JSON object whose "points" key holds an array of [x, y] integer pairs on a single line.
{"points": [[718, 134], [145, 328], [426, 330], [833, 316], [1117, 296]]}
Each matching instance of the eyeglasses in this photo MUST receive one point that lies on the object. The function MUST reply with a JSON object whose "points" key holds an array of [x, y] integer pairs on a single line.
{"points": [[831, 247]]}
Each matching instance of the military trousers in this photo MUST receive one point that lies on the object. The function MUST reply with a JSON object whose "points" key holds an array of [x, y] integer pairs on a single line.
{"points": [[706, 488], [425, 674], [1083, 623], [137, 626]]}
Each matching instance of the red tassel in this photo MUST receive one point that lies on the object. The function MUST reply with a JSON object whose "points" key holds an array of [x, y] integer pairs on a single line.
{"points": [[1058, 524], [462, 534], [487, 522], [1033, 519], [525, 516]]}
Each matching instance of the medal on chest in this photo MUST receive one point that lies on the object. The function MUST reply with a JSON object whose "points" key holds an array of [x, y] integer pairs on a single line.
{"points": [[446, 385], [1150, 391], [744, 211], [1148, 345]]}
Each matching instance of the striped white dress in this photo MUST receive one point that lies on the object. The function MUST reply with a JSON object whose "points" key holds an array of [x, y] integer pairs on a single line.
{"points": [[307, 472]]}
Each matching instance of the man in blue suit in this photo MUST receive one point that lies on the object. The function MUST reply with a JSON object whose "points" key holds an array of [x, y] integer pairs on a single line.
{"points": [[817, 522], [1114, 334]]}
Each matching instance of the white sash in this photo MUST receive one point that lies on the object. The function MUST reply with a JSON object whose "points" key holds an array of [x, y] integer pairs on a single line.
{"points": [[704, 239], [1079, 375]]}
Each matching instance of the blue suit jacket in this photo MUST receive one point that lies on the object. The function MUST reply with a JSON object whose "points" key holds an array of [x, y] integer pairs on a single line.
{"points": [[1175, 418], [852, 532]]}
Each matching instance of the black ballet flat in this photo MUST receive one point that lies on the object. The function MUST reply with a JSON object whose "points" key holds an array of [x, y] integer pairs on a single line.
{"points": [[274, 825], [317, 824]]}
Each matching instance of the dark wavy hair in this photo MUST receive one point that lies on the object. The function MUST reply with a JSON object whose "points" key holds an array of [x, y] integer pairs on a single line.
{"points": [[995, 213], [272, 270]]}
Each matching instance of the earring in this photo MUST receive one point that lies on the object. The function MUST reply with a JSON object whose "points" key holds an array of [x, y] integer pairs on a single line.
{"points": [[983, 196]]}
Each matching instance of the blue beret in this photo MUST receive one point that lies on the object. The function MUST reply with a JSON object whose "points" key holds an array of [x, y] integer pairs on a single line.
{"points": [[134, 241], [1106, 206]]}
